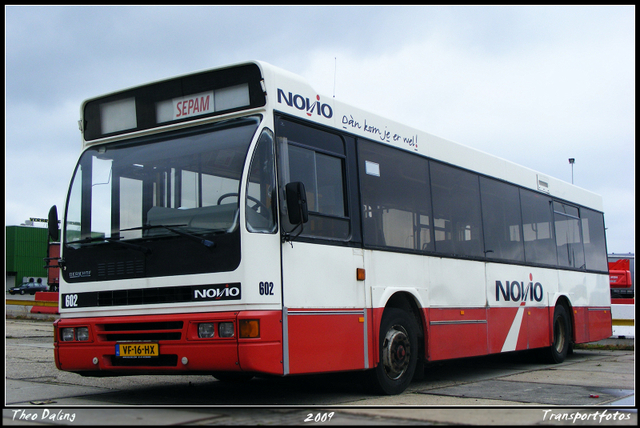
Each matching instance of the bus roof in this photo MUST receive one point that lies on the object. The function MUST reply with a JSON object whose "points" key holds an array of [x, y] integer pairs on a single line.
{"points": [[291, 94]]}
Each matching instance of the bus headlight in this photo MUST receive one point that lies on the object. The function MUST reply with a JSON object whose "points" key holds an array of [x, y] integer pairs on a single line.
{"points": [[225, 329], [67, 334], [82, 333], [206, 330], [70, 334]]}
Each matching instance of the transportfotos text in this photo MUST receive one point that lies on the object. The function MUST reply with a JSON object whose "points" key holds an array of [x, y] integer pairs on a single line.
{"points": [[597, 416]]}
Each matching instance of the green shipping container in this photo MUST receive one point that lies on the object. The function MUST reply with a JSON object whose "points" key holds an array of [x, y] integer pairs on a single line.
{"points": [[25, 253]]}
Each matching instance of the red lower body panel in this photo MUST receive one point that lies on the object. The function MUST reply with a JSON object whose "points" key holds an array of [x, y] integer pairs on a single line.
{"points": [[468, 332], [456, 333], [327, 340]]}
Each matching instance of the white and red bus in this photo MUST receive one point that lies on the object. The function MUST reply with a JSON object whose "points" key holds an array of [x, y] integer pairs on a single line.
{"points": [[234, 222]]}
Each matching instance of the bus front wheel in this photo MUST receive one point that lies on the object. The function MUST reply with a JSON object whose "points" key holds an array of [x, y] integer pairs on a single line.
{"points": [[398, 353]]}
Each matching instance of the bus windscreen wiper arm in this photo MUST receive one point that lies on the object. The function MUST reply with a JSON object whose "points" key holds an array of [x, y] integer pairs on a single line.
{"points": [[207, 243], [114, 241]]}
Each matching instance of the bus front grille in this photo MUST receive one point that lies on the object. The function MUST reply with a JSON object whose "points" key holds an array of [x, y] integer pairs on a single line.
{"points": [[142, 331]]}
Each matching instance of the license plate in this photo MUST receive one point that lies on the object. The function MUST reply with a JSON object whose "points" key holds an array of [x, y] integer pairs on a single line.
{"points": [[137, 350]]}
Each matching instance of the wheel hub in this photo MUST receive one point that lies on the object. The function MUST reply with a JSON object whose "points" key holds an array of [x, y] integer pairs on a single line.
{"points": [[396, 352]]}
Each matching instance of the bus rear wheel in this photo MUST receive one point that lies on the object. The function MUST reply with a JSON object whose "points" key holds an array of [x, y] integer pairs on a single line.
{"points": [[398, 353], [561, 341]]}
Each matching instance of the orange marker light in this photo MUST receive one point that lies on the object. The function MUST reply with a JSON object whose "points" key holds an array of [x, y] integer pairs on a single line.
{"points": [[360, 274], [249, 328]]}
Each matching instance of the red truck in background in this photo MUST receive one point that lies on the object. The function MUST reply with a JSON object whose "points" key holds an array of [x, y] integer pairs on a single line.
{"points": [[621, 274]]}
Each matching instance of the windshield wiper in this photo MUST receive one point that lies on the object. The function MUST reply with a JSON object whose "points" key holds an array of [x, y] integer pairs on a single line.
{"points": [[88, 240], [207, 243]]}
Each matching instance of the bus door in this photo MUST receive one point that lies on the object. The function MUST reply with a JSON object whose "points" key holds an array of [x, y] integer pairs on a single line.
{"points": [[325, 324]]}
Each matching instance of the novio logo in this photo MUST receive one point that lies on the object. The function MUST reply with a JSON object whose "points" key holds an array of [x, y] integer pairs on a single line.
{"points": [[217, 292], [304, 104], [519, 291]]}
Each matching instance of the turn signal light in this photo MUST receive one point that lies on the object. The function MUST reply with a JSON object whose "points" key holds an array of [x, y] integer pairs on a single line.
{"points": [[249, 328]]}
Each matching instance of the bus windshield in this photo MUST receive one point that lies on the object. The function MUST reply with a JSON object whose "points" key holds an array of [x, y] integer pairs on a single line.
{"points": [[131, 191], [179, 185]]}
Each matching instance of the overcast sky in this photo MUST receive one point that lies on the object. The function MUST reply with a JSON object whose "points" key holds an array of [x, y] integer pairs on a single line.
{"points": [[535, 85]]}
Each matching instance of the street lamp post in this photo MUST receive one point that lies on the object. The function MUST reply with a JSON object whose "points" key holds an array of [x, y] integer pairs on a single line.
{"points": [[572, 161]]}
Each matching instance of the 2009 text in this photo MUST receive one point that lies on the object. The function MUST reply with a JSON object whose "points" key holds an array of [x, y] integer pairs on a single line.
{"points": [[319, 417]]}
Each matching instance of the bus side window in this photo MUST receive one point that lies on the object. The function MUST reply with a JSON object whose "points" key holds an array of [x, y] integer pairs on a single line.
{"points": [[537, 227], [260, 204], [568, 239], [322, 177], [502, 220], [456, 211], [317, 159], [593, 236], [396, 198]]}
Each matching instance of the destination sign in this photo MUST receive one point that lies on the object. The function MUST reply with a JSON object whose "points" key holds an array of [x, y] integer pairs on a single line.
{"points": [[183, 107], [181, 99]]}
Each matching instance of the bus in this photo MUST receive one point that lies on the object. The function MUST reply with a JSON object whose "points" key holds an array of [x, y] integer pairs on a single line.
{"points": [[234, 222]]}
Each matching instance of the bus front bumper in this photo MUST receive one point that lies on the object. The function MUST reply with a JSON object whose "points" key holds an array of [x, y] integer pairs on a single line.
{"points": [[170, 344]]}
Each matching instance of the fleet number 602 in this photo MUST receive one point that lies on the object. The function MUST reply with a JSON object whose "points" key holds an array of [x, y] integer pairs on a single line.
{"points": [[266, 288], [70, 300]]}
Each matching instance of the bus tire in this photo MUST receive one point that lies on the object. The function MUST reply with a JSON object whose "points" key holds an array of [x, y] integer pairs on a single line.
{"points": [[561, 340], [398, 353]]}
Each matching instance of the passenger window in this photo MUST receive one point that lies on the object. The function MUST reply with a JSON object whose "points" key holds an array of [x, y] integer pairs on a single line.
{"points": [[456, 211], [395, 197], [539, 243], [568, 239], [502, 221], [595, 249]]}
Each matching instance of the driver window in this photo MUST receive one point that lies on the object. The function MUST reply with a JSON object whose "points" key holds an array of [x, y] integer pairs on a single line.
{"points": [[260, 204]]}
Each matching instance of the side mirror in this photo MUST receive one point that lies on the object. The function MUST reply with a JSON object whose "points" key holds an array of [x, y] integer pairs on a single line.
{"points": [[54, 233], [297, 203]]}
